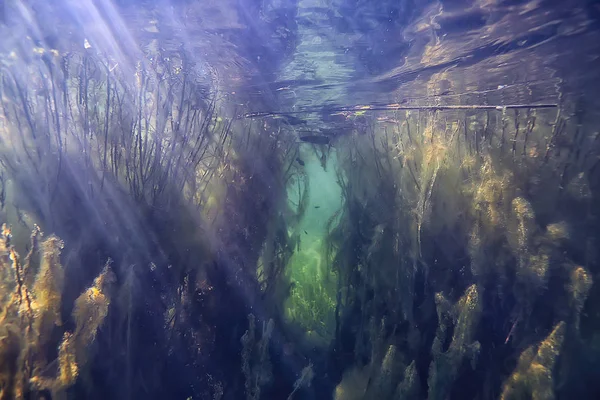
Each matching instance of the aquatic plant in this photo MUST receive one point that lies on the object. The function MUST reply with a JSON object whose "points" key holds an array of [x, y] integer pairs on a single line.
{"points": [[256, 363], [32, 314], [478, 225], [533, 376], [464, 318]]}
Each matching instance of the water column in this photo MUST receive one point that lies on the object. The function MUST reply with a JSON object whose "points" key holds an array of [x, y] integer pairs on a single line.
{"points": [[316, 75]]}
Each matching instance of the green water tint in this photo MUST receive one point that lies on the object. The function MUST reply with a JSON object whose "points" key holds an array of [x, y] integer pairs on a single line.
{"points": [[312, 299]]}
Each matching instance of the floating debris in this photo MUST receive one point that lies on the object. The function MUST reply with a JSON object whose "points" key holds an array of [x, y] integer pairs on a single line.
{"points": [[347, 111]]}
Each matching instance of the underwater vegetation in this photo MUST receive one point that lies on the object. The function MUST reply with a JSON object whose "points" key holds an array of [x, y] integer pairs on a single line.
{"points": [[32, 360], [490, 280], [443, 251]]}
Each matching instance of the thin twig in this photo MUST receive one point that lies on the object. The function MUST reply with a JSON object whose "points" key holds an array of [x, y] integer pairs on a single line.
{"points": [[393, 107]]}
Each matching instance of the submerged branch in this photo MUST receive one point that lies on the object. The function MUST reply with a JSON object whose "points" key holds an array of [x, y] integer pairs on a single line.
{"points": [[395, 107]]}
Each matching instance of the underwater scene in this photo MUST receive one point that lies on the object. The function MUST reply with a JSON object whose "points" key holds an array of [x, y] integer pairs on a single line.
{"points": [[300, 199]]}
